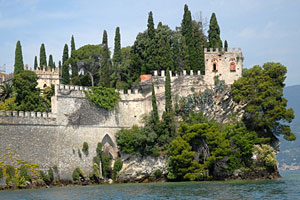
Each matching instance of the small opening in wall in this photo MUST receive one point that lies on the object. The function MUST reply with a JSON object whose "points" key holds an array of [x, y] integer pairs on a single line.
{"points": [[215, 67], [45, 85]]}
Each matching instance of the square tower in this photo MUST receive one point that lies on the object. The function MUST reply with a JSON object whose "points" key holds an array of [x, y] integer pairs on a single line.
{"points": [[227, 65]]}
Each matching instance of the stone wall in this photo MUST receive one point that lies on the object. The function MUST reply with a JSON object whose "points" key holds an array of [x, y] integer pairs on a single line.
{"points": [[56, 138]]}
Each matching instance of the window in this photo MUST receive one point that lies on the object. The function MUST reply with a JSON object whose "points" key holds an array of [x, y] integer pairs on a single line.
{"points": [[232, 67], [215, 67]]}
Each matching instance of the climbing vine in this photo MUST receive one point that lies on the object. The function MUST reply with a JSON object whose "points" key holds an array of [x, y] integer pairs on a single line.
{"points": [[106, 98]]}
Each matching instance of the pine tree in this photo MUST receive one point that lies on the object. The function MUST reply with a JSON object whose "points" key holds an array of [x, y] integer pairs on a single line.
{"points": [[50, 64], [73, 65], [117, 58], [105, 70], [19, 65], [65, 67], [35, 63], [43, 58], [190, 54], [214, 39], [154, 106], [225, 45]]}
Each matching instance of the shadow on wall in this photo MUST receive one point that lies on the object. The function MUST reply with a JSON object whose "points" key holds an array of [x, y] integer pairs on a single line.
{"points": [[88, 114], [109, 147]]}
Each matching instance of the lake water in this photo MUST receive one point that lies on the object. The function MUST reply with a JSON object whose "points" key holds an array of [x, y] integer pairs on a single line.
{"points": [[286, 188]]}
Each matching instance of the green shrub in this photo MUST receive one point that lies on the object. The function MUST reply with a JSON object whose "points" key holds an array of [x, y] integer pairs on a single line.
{"points": [[77, 173], [1, 172], [51, 175], [106, 165], [85, 148], [10, 170], [45, 177], [106, 98], [23, 172], [117, 168], [158, 173]]}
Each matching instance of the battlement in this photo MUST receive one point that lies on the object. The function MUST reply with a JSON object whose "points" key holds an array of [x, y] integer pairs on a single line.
{"points": [[184, 73], [48, 71], [222, 50], [27, 114]]}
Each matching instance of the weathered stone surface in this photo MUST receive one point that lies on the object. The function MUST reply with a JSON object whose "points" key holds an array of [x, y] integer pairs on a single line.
{"points": [[137, 169]]}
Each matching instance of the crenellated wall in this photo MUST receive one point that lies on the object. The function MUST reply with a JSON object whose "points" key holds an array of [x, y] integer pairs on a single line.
{"points": [[55, 138]]}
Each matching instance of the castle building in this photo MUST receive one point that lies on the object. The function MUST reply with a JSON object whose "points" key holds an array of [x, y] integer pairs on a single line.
{"points": [[47, 77]]}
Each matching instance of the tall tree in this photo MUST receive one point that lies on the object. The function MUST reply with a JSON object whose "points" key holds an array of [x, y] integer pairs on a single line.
{"points": [[19, 65], [51, 64], [168, 95], [59, 66], [190, 55], [214, 39], [74, 66], [225, 45], [168, 115], [105, 71], [65, 67], [35, 63], [117, 57], [199, 47], [43, 58], [261, 89], [150, 64], [154, 106]]}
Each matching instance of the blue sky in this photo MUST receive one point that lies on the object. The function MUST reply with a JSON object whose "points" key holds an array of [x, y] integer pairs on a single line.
{"points": [[266, 30]]}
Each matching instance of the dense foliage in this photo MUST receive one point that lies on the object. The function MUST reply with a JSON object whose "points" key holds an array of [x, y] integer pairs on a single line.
{"points": [[214, 39], [261, 88], [18, 66], [65, 76], [27, 94], [43, 58], [105, 98]]}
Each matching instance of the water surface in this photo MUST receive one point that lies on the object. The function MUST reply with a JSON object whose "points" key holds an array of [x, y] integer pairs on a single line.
{"points": [[286, 188]]}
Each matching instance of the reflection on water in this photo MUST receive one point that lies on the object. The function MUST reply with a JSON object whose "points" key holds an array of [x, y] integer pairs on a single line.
{"points": [[286, 188]]}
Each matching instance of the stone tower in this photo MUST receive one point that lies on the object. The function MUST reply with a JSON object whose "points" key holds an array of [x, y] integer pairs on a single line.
{"points": [[227, 65]]}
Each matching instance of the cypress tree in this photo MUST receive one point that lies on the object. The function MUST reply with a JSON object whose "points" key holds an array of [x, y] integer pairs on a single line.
{"points": [[19, 65], [105, 70], [225, 45], [54, 65], [190, 55], [117, 57], [59, 66], [50, 64], [43, 58], [199, 48], [168, 95], [104, 38], [73, 65], [150, 26], [65, 67], [214, 39], [35, 63], [154, 106], [168, 115], [150, 46]]}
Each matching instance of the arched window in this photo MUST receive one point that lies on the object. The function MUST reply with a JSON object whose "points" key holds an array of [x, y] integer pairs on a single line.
{"points": [[45, 85], [232, 67]]}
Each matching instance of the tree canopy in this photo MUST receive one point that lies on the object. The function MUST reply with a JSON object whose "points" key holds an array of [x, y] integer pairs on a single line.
{"points": [[261, 89]]}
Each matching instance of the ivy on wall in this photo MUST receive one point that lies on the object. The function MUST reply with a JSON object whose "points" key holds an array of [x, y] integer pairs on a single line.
{"points": [[106, 98]]}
